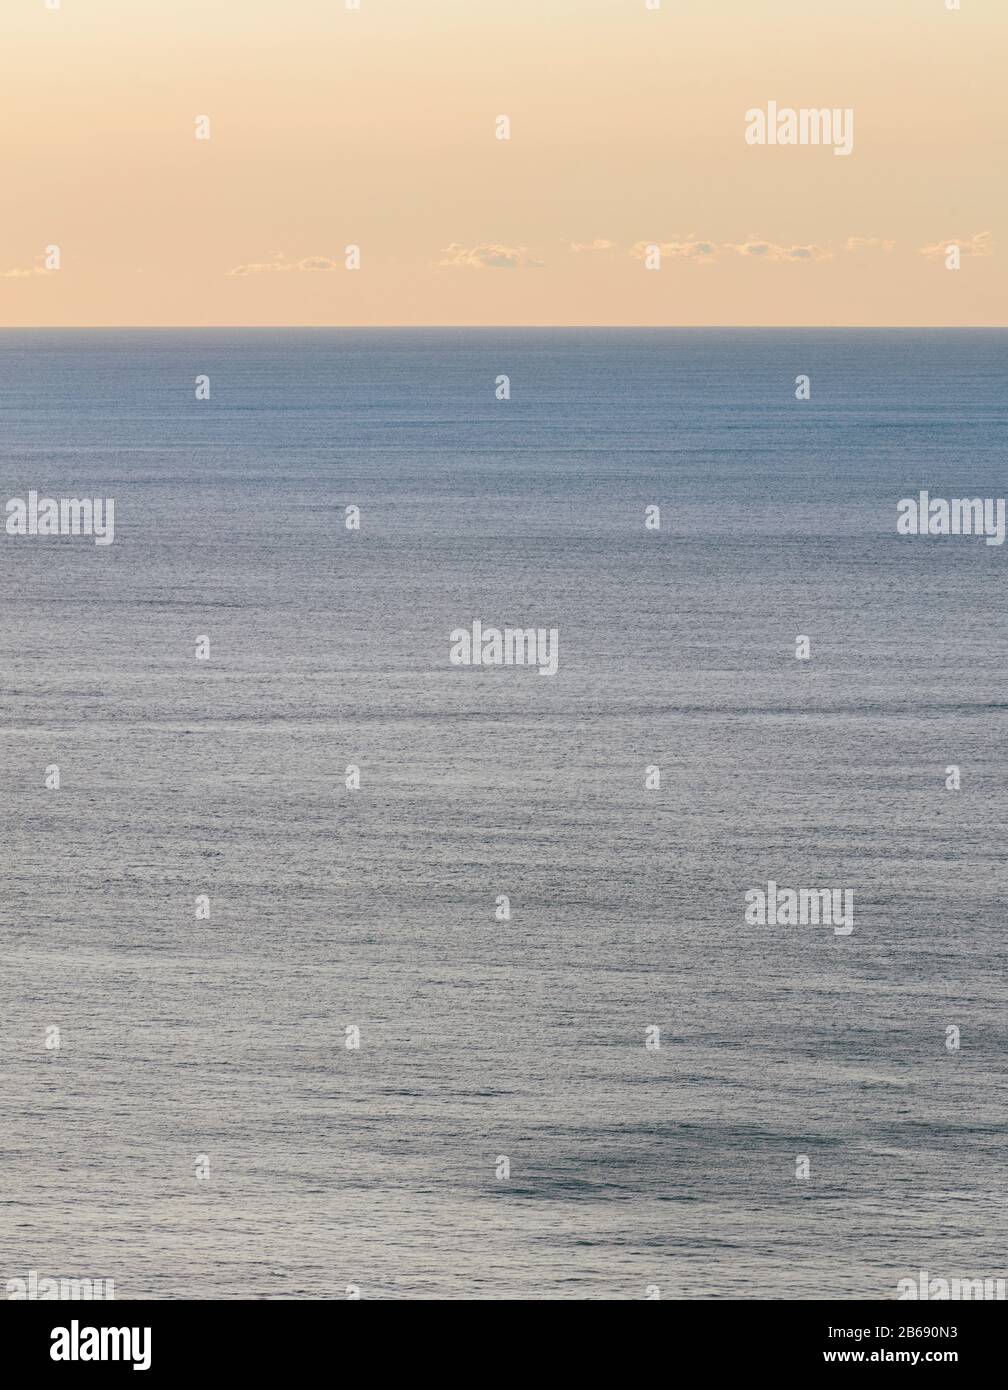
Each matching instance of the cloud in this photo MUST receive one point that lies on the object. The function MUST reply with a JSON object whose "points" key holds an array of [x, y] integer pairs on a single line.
{"points": [[868, 243], [771, 251], [689, 248], [979, 244], [280, 264], [487, 256], [18, 274], [599, 244]]}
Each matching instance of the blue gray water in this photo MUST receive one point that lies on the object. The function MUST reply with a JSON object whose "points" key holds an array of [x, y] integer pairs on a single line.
{"points": [[480, 1038]]}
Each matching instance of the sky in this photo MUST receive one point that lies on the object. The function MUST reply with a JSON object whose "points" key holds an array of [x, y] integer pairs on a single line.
{"points": [[377, 128]]}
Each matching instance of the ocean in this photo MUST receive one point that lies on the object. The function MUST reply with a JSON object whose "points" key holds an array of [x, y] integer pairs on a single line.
{"points": [[503, 1130]]}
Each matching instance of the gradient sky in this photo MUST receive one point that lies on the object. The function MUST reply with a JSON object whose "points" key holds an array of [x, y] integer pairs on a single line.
{"points": [[376, 127]]}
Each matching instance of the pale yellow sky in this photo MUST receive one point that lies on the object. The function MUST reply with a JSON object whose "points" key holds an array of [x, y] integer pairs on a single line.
{"points": [[376, 127]]}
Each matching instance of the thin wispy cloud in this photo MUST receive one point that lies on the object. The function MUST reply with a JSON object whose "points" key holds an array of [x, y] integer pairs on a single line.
{"points": [[501, 256], [687, 248], [868, 243], [280, 265], [487, 256], [979, 244], [773, 251]]}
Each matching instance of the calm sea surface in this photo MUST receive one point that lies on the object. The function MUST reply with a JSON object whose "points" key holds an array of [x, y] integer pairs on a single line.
{"points": [[479, 1038]]}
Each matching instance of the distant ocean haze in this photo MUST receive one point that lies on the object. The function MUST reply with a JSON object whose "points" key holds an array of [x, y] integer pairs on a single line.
{"points": [[374, 906]]}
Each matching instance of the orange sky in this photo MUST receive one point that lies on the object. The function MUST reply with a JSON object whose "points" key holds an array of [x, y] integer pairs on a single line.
{"points": [[376, 127]]}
